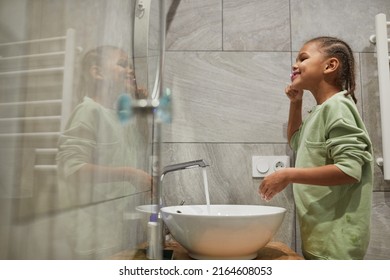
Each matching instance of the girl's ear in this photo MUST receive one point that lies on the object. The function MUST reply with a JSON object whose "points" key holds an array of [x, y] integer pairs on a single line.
{"points": [[331, 65], [95, 72]]}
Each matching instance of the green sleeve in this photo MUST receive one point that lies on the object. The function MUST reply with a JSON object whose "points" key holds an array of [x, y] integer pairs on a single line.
{"points": [[294, 141], [349, 147]]}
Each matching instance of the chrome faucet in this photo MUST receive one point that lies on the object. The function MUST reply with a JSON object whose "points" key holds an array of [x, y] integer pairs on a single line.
{"points": [[178, 166], [181, 166], [158, 244]]}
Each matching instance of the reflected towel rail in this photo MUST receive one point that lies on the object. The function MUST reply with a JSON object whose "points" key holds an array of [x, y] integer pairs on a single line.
{"points": [[33, 71], [33, 102], [382, 50], [48, 151], [38, 118], [46, 168], [38, 55], [33, 41], [30, 134], [67, 85]]}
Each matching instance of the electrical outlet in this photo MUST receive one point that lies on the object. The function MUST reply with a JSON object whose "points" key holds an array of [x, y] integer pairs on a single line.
{"points": [[265, 165]]}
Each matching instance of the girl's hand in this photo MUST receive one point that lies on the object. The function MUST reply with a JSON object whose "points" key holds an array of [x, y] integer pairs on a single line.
{"points": [[273, 184], [138, 177], [293, 94], [141, 93]]}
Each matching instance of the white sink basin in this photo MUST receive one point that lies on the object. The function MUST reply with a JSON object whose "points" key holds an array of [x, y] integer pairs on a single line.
{"points": [[147, 209], [223, 231]]}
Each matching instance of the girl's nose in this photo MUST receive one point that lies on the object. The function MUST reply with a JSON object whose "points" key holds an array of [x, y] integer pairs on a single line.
{"points": [[294, 67], [130, 70]]}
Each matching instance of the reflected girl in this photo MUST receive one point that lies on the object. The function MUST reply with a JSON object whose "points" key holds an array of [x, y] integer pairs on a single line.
{"points": [[99, 157]]}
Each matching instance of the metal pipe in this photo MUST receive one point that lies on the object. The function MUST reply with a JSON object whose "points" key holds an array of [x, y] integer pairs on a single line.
{"points": [[159, 243]]}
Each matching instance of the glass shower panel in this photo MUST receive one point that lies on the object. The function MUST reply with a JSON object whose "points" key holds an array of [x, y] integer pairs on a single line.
{"points": [[72, 168]]}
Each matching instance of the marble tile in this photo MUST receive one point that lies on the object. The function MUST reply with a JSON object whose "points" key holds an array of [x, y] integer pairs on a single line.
{"points": [[229, 178], [336, 18], [256, 25], [379, 248], [371, 108], [227, 96], [194, 25]]}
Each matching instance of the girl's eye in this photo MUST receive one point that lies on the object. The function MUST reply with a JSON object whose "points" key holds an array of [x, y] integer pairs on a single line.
{"points": [[302, 57], [123, 63]]}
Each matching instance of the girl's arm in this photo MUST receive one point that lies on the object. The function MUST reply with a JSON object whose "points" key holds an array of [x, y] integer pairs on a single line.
{"points": [[105, 174], [327, 175], [295, 113]]}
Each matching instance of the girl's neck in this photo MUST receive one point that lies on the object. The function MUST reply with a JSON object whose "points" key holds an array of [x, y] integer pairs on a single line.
{"points": [[324, 93]]}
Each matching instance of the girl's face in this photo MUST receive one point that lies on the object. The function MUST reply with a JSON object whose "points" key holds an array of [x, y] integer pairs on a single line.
{"points": [[118, 73], [307, 71]]}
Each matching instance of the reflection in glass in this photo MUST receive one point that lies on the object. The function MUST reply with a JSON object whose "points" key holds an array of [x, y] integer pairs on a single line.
{"points": [[71, 171], [98, 156]]}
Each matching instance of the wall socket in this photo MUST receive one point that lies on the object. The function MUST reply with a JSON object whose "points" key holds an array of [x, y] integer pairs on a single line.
{"points": [[265, 165]]}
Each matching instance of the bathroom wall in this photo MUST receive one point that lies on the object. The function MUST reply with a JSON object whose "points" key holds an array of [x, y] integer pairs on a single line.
{"points": [[227, 63]]}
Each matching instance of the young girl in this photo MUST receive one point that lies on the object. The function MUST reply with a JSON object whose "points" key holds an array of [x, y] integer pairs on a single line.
{"points": [[99, 157], [96, 151], [333, 174]]}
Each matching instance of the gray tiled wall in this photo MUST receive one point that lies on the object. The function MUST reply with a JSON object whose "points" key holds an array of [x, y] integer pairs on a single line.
{"points": [[227, 63]]}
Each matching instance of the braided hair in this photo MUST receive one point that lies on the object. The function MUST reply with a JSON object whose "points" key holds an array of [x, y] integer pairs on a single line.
{"points": [[94, 57], [334, 47]]}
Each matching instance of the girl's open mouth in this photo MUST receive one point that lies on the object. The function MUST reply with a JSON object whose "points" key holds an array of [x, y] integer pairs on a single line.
{"points": [[293, 75]]}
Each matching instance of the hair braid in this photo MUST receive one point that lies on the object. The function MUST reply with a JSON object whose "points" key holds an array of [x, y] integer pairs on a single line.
{"points": [[94, 57], [341, 50]]}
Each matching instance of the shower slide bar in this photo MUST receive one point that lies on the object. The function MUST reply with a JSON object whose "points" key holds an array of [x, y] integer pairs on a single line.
{"points": [[382, 50]]}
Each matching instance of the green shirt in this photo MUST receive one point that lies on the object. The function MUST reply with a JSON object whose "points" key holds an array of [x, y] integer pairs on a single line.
{"points": [[95, 135], [334, 220]]}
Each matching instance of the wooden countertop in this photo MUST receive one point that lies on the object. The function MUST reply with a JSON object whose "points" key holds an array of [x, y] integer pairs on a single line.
{"points": [[272, 251]]}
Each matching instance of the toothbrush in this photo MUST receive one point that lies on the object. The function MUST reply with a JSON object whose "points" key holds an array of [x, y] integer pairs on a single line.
{"points": [[124, 108]]}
